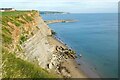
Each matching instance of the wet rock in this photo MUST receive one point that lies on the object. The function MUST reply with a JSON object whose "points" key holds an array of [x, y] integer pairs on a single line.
{"points": [[64, 73], [47, 65], [79, 64]]}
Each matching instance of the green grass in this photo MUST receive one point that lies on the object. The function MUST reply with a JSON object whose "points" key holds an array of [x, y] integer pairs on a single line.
{"points": [[13, 17], [17, 68], [6, 39], [14, 67], [15, 13], [23, 38]]}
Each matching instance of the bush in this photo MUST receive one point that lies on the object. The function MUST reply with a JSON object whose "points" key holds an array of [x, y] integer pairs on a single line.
{"points": [[23, 39]]}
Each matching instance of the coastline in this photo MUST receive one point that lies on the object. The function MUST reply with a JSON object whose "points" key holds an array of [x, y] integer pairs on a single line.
{"points": [[83, 71], [35, 44], [44, 50], [51, 53], [70, 64], [82, 66]]}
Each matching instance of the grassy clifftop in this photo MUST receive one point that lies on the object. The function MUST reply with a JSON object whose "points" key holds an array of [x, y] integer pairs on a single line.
{"points": [[17, 27], [18, 23]]}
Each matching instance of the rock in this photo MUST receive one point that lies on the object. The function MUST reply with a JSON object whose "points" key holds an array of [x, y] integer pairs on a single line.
{"points": [[76, 67], [50, 66], [47, 65], [79, 64], [65, 73]]}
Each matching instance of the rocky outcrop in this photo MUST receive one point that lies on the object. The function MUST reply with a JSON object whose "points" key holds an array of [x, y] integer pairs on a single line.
{"points": [[58, 58], [58, 21]]}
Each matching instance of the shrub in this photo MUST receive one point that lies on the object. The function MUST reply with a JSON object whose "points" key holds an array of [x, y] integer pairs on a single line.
{"points": [[23, 39]]}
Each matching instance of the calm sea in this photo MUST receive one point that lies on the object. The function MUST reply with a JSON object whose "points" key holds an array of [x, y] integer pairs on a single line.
{"points": [[95, 36]]}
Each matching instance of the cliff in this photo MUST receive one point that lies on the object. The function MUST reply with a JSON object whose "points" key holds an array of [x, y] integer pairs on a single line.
{"points": [[17, 27], [29, 49]]}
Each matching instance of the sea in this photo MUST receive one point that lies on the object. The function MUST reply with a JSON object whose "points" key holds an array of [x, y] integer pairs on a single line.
{"points": [[94, 36]]}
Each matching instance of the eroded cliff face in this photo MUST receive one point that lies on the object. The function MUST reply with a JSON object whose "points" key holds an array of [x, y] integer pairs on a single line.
{"points": [[30, 39], [36, 49], [17, 28], [44, 50]]}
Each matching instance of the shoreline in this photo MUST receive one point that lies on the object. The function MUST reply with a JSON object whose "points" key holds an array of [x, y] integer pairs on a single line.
{"points": [[70, 64], [80, 65], [50, 53]]}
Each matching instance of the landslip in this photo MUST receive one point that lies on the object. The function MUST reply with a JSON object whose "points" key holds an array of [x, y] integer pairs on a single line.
{"points": [[30, 50]]}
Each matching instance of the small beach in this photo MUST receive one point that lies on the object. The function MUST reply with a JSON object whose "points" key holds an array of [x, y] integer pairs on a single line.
{"points": [[77, 69], [70, 64]]}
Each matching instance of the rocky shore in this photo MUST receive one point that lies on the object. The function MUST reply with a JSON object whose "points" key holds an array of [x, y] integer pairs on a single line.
{"points": [[49, 53], [30, 49]]}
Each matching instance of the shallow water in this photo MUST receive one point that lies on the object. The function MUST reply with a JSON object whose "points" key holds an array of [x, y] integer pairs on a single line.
{"points": [[95, 36]]}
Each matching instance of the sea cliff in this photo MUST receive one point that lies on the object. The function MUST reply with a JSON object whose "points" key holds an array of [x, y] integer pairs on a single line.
{"points": [[30, 50]]}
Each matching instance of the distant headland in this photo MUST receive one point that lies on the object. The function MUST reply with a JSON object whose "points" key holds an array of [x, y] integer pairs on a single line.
{"points": [[53, 12]]}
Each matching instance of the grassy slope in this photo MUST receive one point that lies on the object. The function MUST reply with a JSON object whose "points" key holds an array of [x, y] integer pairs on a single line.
{"points": [[13, 18], [12, 66], [17, 68]]}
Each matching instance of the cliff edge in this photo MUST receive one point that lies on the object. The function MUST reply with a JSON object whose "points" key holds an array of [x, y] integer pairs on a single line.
{"points": [[29, 49]]}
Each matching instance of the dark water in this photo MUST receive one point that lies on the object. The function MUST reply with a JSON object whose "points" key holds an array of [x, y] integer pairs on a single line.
{"points": [[95, 36]]}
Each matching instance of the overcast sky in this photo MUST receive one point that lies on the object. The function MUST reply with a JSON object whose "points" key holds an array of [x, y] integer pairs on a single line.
{"points": [[73, 6]]}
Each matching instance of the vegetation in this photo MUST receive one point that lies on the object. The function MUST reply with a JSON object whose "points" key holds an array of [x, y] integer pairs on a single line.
{"points": [[17, 18], [16, 13], [17, 68], [14, 34], [23, 39]]}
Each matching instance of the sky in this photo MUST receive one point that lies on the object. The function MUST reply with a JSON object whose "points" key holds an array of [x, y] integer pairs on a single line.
{"points": [[73, 6]]}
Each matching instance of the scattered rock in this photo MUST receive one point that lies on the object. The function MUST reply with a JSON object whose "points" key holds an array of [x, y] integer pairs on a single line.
{"points": [[76, 67], [79, 64], [57, 59]]}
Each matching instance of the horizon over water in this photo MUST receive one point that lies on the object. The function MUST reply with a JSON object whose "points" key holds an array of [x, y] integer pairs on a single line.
{"points": [[95, 36]]}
